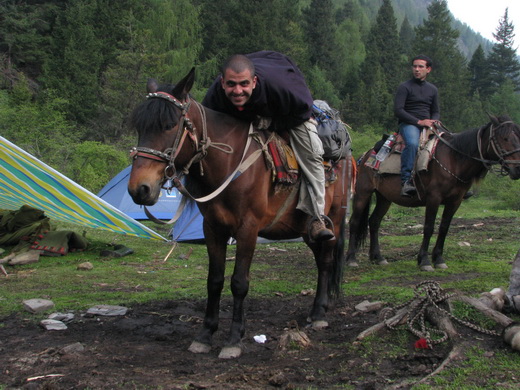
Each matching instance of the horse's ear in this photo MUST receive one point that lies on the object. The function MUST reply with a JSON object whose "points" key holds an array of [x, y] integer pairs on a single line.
{"points": [[151, 86], [492, 118], [184, 86]]}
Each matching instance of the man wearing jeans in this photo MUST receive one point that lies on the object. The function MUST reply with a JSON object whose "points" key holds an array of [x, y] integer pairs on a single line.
{"points": [[269, 86], [416, 106]]}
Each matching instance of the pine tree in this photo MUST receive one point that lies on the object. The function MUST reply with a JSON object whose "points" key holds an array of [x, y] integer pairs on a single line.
{"points": [[438, 40], [319, 22], [503, 62], [380, 70], [406, 37], [480, 81]]}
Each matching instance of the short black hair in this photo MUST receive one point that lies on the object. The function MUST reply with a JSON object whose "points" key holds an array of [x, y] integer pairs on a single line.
{"points": [[429, 62], [238, 63]]}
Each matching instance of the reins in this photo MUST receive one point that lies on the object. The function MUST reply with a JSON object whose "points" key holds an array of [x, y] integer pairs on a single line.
{"points": [[497, 149], [172, 179]]}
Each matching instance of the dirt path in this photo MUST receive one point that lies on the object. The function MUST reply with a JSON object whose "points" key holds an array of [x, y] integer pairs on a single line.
{"points": [[147, 349]]}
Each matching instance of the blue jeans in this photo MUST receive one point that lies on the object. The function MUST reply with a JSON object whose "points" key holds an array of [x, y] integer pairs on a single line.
{"points": [[410, 134]]}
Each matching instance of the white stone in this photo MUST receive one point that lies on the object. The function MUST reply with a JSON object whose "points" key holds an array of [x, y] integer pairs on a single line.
{"points": [[53, 325], [38, 305], [108, 310]]}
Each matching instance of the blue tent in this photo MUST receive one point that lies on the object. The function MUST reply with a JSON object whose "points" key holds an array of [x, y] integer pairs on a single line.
{"points": [[189, 225]]}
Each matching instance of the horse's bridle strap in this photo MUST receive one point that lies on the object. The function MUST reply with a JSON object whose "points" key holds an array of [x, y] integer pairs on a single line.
{"points": [[150, 154]]}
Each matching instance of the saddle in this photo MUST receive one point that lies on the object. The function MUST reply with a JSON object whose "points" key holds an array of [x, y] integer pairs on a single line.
{"points": [[392, 164], [285, 166]]}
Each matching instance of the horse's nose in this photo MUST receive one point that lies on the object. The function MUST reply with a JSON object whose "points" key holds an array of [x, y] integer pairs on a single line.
{"points": [[142, 195]]}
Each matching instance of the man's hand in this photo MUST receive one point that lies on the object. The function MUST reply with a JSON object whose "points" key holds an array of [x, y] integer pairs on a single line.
{"points": [[427, 122]]}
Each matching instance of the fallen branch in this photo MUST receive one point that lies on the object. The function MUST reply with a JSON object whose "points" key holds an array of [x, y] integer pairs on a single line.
{"points": [[496, 316], [398, 319]]}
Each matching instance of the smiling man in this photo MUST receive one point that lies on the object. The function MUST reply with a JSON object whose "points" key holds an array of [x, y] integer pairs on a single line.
{"points": [[267, 87], [416, 106]]}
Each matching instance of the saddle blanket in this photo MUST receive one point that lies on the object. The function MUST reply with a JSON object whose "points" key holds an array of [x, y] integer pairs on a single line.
{"points": [[392, 164]]}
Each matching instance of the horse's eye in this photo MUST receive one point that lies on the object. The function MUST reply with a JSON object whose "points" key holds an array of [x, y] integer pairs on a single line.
{"points": [[169, 126]]}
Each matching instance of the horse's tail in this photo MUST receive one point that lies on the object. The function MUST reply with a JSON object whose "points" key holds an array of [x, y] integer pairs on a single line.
{"points": [[338, 261], [361, 233]]}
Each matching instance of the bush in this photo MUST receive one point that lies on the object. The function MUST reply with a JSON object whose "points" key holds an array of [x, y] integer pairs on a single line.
{"points": [[93, 164]]}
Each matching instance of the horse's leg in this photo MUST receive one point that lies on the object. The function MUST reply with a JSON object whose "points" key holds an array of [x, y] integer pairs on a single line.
{"points": [[358, 224], [447, 216], [246, 243], [216, 246], [374, 222], [323, 255], [432, 207]]}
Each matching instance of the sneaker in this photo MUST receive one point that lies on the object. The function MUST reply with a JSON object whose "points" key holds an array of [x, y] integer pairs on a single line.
{"points": [[408, 189], [319, 232]]}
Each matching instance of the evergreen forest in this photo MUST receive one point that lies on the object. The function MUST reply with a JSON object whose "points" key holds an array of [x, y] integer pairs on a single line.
{"points": [[71, 71]]}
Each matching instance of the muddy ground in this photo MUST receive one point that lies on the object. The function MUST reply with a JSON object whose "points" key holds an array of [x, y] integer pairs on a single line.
{"points": [[147, 349]]}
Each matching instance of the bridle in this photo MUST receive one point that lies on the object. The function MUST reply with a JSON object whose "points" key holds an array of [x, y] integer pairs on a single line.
{"points": [[168, 156], [497, 148], [493, 143]]}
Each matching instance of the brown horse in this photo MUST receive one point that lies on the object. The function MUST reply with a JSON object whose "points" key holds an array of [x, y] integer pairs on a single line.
{"points": [[219, 158], [457, 162]]}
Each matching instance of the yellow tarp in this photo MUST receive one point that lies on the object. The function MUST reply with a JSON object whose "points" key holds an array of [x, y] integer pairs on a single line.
{"points": [[26, 180]]}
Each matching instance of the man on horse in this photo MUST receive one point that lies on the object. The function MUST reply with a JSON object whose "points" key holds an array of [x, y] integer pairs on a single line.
{"points": [[416, 106], [267, 88]]}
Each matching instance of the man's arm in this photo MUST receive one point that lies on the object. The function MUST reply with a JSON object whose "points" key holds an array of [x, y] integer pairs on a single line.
{"points": [[399, 104], [436, 110]]}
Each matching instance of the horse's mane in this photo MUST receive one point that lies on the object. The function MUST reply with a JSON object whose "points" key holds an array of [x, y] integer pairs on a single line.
{"points": [[465, 142], [155, 115]]}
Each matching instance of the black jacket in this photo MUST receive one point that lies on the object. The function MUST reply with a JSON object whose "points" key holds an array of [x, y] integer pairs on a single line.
{"points": [[416, 100], [281, 93]]}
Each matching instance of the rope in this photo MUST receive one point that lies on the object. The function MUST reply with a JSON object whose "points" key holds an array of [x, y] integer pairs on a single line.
{"points": [[429, 293]]}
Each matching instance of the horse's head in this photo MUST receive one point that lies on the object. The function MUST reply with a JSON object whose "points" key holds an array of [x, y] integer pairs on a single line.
{"points": [[161, 123], [504, 143]]}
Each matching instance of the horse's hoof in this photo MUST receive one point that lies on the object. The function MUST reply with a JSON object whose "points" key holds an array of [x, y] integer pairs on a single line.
{"points": [[318, 325], [441, 266], [198, 347], [352, 264], [230, 353], [382, 262], [427, 268]]}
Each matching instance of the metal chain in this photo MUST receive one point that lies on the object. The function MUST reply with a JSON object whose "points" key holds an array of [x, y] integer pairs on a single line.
{"points": [[434, 295]]}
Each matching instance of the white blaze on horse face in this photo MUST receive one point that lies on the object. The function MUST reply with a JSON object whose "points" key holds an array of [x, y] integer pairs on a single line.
{"points": [[238, 87]]}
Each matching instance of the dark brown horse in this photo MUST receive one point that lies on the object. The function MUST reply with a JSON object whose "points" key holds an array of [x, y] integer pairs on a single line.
{"points": [[224, 163], [457, 162]]}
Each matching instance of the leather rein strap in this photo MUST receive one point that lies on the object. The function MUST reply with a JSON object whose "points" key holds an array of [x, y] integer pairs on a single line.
{"points": [[169, 155]]}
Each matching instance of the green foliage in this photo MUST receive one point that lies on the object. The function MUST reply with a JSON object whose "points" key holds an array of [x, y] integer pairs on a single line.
{"points": [[501, 191], [74, 70], [93, 164], [39, 127], [504, 63]]}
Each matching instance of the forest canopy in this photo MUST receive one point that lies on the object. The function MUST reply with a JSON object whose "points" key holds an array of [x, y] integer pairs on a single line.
{"points": [[71, 71]]}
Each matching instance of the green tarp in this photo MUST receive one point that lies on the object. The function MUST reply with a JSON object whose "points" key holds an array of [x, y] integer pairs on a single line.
{"points": [[25, 180]]}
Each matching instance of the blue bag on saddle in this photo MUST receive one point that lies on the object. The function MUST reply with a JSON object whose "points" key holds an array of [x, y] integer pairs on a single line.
{"points": [[332, 131]]}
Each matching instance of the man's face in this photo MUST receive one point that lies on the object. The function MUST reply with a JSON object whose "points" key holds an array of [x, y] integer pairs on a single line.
{"points": [[420, 69], [238, 87]]}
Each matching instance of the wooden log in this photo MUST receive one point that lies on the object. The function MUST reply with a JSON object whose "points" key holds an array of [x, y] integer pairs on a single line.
{"points": [[496, 316], [442, 321], [398, 319]]}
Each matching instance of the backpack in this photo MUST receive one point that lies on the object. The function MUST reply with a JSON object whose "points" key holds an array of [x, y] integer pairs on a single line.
{"points": [[332, 131]]}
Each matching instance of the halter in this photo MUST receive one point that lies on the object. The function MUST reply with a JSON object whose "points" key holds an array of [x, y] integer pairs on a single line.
{"points": [[493, 143], [499, 151], [169, 155]]}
